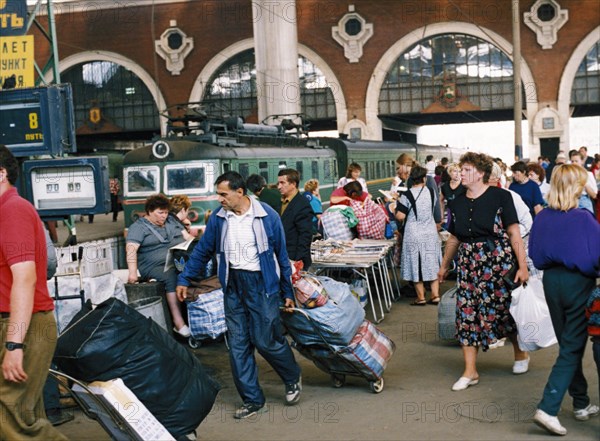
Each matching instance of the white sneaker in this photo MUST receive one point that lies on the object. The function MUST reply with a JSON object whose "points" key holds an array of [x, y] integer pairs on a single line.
{"points": [[521, 366], [548, 422], [184, 331], [585, 414], [464, 382], [498, 343]]}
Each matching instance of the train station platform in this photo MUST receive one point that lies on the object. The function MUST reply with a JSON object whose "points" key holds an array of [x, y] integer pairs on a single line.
{"points": [[416, 403]]}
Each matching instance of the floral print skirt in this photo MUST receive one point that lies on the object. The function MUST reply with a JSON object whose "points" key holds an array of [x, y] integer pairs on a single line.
{"points": [[483, 300]]}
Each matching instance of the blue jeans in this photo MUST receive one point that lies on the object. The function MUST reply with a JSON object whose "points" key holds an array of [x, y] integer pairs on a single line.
{"points": [[566, 294], [253, 322]]}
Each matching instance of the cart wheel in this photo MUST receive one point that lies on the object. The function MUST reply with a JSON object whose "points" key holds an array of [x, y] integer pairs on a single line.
{"points": [[376, 386], [337, 380], [193, 343]]}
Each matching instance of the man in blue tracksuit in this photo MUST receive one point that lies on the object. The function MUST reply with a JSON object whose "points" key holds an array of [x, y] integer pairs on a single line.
{"points": [[247, 238]]}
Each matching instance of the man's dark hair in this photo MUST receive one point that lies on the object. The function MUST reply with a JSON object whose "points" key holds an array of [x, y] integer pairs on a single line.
{"points": [[255, 183], [292, 175], [444, 161], [156, 202], [353, 189], [519, 166], [417, 174], [235, 180], [429, 158], [9, 163]]}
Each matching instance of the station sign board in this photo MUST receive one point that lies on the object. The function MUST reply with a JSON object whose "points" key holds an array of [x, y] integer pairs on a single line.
{"points": [[62, 187], [38, 121], [13, 17]]}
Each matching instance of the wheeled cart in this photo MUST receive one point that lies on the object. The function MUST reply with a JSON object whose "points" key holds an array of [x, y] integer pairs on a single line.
{"points": [[366, 356]]}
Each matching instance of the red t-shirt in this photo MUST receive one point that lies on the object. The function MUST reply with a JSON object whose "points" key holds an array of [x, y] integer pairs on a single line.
{"points": [[22, 239], [340, 192]]}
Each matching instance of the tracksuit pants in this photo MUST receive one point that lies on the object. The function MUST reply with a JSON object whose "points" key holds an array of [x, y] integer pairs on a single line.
{"points": [[253, 322]]}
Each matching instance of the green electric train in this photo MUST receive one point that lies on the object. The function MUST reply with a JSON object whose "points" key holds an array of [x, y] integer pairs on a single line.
{"points": [[189, 161]]}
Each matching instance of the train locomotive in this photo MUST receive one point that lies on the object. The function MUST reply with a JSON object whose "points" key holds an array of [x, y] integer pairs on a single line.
{"points": [[199, 148]]}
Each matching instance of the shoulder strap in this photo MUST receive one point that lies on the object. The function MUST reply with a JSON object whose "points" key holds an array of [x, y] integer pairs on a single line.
{"points": [[413, 203], [161, 239]]}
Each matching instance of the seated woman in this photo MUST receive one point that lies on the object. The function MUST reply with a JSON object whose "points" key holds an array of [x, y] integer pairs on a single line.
{"points": [[148, 242], [343, 195], [179, 208]]}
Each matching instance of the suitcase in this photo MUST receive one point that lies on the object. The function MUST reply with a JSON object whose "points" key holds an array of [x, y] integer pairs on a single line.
{"points": [[366, 356], [206, 317]]}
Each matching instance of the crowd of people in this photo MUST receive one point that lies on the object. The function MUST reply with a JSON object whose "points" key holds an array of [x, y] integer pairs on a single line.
{"points": [[545, 223]]}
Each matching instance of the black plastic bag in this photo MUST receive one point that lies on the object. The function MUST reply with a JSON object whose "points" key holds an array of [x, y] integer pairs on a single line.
{"points": [[116, 341]]}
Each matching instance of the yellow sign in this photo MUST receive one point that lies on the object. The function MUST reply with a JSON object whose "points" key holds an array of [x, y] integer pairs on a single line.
{"points": [[17, 58]]}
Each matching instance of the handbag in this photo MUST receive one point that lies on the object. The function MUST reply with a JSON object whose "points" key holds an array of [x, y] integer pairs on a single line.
{"points": [[531, 314], [509, 278]]}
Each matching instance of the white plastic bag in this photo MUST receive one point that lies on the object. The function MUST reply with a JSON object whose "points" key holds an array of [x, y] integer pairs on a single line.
{"points": [[531, 314]]}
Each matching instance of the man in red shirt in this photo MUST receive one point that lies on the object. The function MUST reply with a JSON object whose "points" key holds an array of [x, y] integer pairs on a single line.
{"points": [[28, 331]]}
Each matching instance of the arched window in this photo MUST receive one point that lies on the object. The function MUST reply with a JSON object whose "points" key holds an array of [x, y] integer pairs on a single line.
{"points": [[447, 69], [108, 98], [232, 90], [586, 86]]}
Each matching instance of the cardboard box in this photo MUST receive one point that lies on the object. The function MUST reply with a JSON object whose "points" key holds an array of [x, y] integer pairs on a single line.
{"points": [[125, 417]]}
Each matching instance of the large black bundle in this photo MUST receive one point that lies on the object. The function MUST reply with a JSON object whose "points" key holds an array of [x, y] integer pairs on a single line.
{"points": [[116, 341]]}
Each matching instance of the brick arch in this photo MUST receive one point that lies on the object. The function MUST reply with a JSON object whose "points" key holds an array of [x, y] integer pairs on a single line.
{"points": [[217, 61], [568, 76], [89, 56], [374, 126]]}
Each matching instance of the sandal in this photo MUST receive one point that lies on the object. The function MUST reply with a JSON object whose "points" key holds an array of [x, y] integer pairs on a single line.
{"points": [[418, 302], [434, 301]]}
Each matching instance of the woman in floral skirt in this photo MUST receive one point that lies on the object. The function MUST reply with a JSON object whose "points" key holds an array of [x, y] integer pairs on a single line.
{"points": [[485, 233]]}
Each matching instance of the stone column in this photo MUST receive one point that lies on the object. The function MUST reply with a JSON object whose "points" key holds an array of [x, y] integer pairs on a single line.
{"points": [[276, 54]]}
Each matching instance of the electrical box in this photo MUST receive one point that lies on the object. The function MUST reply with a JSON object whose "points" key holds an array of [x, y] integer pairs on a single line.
{"points": [[67, 186], [38, 120]]}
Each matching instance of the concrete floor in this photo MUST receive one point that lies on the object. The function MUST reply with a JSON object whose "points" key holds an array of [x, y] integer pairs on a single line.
{"points": [[416, 403]]}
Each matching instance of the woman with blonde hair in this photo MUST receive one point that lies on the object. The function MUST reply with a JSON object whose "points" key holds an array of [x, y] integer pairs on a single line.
{"points": [[565, 242], [179, 208]]}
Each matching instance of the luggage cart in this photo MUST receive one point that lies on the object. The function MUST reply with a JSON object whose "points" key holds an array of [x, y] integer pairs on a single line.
{"points": [[335, 361]]}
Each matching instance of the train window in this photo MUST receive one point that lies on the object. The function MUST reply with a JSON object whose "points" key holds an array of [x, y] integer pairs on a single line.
{"points": [[141, 180], [282, 165], [314, 168], [263, 165], [371, 168], [188, 178], [244, 170], [300, 168], [226, 167], [265, 174], [327, 169]]}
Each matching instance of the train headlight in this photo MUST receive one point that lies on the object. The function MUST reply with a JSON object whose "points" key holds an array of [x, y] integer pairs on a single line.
{"points": [[161, 149]]}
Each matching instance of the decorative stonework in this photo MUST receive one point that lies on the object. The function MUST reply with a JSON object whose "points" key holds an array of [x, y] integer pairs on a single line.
{"points": [[173, 46], [352, 32], [547, 123], [545, 18]]}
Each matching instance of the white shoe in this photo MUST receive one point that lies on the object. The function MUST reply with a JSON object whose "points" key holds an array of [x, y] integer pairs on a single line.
{"points": [[184, 331], [464, 382], [548, 422], [585, 414], [498, 344], [521, 366]]}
